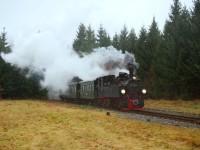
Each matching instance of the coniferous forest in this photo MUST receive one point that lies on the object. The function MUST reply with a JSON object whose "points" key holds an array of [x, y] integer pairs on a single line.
{"points": [[14, 82], [169, 60]]}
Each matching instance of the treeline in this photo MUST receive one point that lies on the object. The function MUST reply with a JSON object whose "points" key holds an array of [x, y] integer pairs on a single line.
{"points": [[16, 82], [169, 60]]}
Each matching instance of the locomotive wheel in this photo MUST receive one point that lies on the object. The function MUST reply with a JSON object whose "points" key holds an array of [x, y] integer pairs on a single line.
{"points": [[107, 103], [114, 103], [119, 106]]}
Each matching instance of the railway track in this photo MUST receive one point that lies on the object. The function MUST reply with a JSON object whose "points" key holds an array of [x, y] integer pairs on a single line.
{"points": [[186, 118], [181, 118]]}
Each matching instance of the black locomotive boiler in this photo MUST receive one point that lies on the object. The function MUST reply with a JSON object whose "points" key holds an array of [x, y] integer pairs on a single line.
{"points": [[123, 92]]}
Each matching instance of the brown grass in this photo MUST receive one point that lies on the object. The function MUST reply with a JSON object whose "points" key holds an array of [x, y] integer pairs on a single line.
{"points": [[43, 125], [192, 107]]}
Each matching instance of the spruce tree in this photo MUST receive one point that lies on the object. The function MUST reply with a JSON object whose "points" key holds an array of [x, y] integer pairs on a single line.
{"points": [[80, 44], [123, 40], [103, 39], [177, 39], [90, 40], [115, 41], [14, 81], [171, 50], [140, 53], [132, 40], [194, 61], [152, 56], [4, 47]]}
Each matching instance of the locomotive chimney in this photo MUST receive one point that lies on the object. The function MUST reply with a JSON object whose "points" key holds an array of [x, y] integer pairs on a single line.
{"points": [[131, 69]]}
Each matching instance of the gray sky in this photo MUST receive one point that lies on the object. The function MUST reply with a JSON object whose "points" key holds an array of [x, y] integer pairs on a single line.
{"points": [[62, 17]]}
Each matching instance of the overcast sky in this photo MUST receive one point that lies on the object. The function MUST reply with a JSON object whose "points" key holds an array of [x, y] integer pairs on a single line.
{"points": [[62, 17]]}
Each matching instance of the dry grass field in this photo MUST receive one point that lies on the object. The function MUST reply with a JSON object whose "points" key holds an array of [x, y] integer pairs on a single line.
{"points": [[192, 107], [28, 124]]}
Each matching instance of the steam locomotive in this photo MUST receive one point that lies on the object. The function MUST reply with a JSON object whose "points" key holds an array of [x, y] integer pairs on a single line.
{"points": [[123, 92]]}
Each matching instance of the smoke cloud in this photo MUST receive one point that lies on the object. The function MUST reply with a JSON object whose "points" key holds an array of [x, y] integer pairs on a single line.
{"points": [[44, 52]]}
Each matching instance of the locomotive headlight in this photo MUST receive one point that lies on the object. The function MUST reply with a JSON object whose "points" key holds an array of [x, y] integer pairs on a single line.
{"points": [[144, 91], [123, 91], [134, 78]]}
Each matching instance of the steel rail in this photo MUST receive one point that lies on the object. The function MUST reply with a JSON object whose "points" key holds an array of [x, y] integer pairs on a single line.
{"points": [[188, 119]]}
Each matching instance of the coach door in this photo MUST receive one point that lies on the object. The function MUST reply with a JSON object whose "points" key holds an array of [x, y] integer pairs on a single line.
{"points": [[78, 88]]}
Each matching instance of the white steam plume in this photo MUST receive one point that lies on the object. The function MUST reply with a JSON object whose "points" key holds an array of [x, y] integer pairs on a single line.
{"points": [[43, 51]]}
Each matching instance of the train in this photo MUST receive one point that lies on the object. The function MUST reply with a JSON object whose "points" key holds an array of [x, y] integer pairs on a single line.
{"points": [[122, 92]]}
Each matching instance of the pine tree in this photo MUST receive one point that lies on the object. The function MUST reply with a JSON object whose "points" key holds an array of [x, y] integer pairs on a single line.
{"points": [[171, 50], [177, 39], [103, 39], [115, 41], [140, 53], [4, 47], [90, 40], [80, 44], [132, 40], [123, 40], [184, 47], [194, 61], [14, 81], [152, 55]]}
